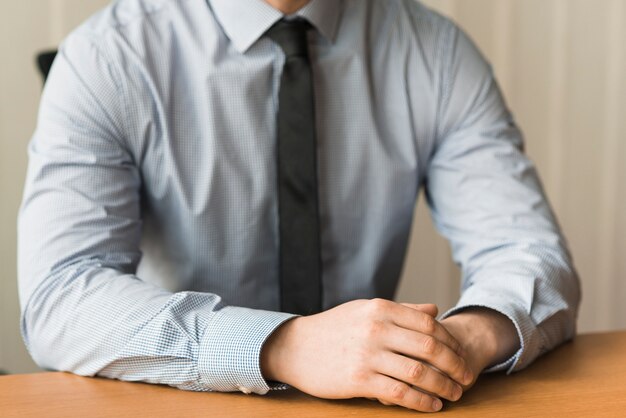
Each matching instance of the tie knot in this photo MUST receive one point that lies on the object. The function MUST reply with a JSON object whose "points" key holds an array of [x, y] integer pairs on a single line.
{"points": [[291, 36]]}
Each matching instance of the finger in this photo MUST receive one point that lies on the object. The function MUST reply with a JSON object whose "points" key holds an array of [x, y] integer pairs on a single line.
{"points": [[415, 320], [418, 374], [428, 308], [429, 349], [392, 391]]}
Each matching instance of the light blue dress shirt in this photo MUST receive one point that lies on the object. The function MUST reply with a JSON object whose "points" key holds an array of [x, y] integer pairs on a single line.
{"points": [[148, 240]]}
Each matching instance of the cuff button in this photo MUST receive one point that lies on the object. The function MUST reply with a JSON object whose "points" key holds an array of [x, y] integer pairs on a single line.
{"points": [[244, 389]]}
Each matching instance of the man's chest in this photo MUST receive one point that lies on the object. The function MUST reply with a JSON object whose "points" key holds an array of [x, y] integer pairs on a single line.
{"points": [[210, 134]]}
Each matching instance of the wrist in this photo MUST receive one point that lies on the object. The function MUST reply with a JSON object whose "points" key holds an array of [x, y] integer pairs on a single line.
{"points": [[275, 352], [486, 335]]}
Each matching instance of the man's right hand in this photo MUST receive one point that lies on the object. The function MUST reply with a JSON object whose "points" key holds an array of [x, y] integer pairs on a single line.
{"points": [[395, 353]]}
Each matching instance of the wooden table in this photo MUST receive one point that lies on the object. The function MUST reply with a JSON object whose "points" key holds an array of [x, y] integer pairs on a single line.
{"points": [[586, 378]]}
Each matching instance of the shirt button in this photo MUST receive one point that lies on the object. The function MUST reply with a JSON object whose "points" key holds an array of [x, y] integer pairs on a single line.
{"points": [[244, 389]]}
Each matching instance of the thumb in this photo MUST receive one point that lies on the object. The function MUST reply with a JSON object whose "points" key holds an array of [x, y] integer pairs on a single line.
{"points": [[428, 308]]}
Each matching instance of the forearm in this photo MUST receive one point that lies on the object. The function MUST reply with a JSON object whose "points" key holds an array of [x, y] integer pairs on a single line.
{"points": [[84, 318], [535, 289], [487, 199], [96, 321]]}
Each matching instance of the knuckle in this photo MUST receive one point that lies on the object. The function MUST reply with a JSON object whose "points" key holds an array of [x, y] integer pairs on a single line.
{"points": [[398, 391], [377, 306], [373, 329], [429, 324], [459, 367], [430, 345], [359, 376], [415, 370]]}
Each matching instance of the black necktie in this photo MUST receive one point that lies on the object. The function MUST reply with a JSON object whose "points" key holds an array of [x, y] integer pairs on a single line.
{"points": [[300, 263]]}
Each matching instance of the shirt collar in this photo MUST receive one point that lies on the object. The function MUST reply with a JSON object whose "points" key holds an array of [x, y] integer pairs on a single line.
{"points": [[245, 21]]}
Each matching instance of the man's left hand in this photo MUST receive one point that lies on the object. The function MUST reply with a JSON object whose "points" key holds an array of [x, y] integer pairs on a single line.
{"points": [[487, 337]]}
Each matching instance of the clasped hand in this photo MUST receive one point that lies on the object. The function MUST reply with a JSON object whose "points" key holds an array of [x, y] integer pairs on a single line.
{"points": [[396, 353]]}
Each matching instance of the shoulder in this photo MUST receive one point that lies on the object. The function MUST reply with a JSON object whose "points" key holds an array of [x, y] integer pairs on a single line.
{"points": [[406, 25], [125, 31], [403, 14], [122, 14], [127, 22]]}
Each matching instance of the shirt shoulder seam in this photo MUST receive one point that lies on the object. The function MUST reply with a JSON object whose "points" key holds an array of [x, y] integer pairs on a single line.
{"points": [[117, 24]]}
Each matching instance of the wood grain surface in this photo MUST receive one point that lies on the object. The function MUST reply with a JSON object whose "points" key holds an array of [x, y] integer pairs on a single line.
{"points": [[585, 378]]}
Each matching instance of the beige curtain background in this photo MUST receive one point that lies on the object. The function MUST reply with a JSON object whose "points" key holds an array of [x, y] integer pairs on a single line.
{"points": [[562, 66]]}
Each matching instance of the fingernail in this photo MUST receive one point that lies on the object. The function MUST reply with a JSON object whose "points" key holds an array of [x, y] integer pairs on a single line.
{"points": [[467, 378], [437, 405]]}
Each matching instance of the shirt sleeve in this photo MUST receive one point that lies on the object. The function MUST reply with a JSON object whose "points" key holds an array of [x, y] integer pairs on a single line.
{"points": [[486, 198], [83, 308]]}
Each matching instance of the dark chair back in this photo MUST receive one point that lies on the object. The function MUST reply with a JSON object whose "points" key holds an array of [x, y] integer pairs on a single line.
{"points": [[44, 63]]}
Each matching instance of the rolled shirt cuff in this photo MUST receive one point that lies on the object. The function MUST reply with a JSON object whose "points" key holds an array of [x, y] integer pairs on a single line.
{"points": [[530, 347], [230, 349]]}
